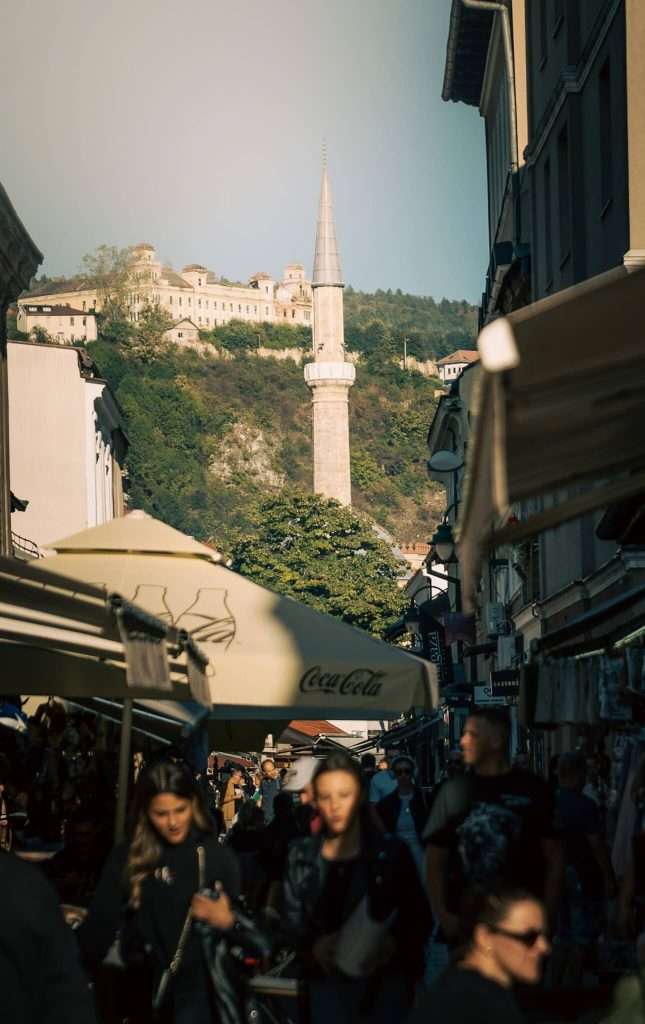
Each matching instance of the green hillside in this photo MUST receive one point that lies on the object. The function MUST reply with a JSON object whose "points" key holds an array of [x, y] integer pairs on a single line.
{"points": [[380, 321], [210, 436]]}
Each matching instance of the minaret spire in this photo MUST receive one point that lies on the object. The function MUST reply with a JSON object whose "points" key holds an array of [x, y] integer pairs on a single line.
{"points": [[326, 259], [329, 376]]}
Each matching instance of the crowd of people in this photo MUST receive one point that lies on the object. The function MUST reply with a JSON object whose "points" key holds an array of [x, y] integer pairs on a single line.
{"points": [[482, 899]]}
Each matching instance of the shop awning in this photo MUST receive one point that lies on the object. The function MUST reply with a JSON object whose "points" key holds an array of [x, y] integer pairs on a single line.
{"points": [[72, 639], [559, 414], [168, 721]]}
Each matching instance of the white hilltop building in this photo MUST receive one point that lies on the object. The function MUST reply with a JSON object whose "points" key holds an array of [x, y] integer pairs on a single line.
{"points": [[197, 294]]}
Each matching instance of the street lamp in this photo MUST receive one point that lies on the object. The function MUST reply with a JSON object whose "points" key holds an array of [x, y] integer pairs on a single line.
{"points": [[443, 543], [412, 620]]}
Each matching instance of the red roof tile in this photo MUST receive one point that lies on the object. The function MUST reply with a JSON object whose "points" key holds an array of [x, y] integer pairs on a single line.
{"points": [[317, 728]]}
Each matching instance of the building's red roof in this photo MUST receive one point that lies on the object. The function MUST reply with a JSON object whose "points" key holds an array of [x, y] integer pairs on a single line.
{"points": [[462, 355], [317, 728]]}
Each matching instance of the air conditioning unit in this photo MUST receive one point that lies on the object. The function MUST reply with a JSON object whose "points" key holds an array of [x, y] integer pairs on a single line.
{"points": [[495, 619]]}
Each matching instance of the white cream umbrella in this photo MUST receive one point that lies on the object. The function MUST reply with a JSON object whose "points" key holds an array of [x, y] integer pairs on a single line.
{"points": [[268, 655]]}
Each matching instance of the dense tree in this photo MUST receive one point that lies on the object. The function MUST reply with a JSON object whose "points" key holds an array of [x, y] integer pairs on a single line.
{"points": [[41, 334], [325, 555], [108, 270], [146, 341]]}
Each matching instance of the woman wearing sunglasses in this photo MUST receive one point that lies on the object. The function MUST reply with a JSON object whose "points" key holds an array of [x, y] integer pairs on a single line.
{"points": [[404, 812], [504, 943]]}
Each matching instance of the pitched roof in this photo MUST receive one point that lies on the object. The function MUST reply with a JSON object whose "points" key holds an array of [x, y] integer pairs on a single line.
{"points": [[186, 320], [462, 355], [316, 728], [174, 279], [45, 309]]}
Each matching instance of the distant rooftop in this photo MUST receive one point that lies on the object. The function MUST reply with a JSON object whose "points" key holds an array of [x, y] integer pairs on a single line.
{"points": [[462, 355], [316, 728], [42, 309]]}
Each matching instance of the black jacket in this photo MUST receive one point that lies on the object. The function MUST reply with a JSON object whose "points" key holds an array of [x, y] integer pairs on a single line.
{"points": [[41, 981], [165, 897], [387, 875], [389, 809]]}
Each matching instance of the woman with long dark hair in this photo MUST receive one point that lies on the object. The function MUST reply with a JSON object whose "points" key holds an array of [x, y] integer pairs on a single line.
{"points": [[503, 943], [148, 894], [354, 907]]}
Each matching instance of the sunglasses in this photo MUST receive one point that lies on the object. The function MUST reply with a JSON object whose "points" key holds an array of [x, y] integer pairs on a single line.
{"points": [[528, 938]]}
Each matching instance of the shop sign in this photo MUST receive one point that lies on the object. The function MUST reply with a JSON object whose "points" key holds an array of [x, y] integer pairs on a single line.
{"points": [[483, 696], [505, 683], [436, 650]]}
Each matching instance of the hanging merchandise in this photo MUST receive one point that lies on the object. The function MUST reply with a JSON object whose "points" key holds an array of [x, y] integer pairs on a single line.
{"points": [[635, 666], [588, 676], [612, 679], [568, 709], [545, 709]]}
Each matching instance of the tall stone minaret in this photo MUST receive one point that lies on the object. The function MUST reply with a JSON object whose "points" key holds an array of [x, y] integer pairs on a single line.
{"points": [[329, 376]]}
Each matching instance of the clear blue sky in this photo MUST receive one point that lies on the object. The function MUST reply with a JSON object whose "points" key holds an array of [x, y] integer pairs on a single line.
{"points": [[198, 127]]}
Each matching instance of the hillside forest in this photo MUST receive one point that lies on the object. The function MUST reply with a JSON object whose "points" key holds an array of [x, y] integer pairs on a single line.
{"points": [[212, 435]]}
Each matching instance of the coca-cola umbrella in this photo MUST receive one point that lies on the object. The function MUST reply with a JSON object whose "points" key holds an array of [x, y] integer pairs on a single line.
{"points": [[268, 655]]}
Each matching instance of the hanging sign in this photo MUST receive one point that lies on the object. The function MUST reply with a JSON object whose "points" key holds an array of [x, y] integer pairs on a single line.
{"points": [[483, 697], [505, 682]]}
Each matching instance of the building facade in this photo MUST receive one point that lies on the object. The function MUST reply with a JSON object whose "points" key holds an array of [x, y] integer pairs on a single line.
{"points": [[19, 260], [561, 89], [68, 444], [196, 293], [62, 324]]}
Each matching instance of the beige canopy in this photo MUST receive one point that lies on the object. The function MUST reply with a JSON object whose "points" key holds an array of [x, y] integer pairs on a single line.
{"points": [[560, 408], [268, 655], [73, 640]]}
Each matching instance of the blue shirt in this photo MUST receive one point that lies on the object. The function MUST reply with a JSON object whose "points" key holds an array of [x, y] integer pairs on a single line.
{"points": [[382, 784], [269, 789]]}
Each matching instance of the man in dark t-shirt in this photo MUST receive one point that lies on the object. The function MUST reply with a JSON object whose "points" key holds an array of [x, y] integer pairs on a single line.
{"points": [[493, 824]]}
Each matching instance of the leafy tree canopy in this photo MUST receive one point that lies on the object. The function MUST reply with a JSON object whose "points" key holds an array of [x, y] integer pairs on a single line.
{"points": [[108, 269], [326, 555]]}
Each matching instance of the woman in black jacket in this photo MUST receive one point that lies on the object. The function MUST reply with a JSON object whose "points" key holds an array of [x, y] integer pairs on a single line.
{"points": [[149, 891], [342, 885]]}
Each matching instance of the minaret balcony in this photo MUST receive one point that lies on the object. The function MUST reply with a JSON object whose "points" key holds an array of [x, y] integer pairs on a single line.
{"points": [[341, 373]]}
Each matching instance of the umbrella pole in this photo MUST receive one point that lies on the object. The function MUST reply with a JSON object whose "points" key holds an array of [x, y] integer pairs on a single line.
{"points": [[124, 771]]}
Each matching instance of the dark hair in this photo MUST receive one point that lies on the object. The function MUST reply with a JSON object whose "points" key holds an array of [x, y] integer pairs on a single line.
{"points": [[368, 761], [400, 758], [145, 845], [487, 907], [339, 761], [496, 718]]}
